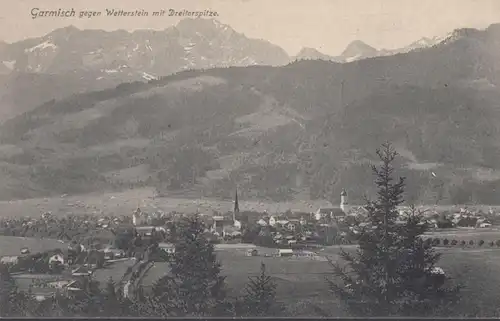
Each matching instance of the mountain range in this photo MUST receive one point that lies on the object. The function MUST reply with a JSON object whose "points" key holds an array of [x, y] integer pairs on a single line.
{"points": [[284, 130], [357, 50], [69, 60]]}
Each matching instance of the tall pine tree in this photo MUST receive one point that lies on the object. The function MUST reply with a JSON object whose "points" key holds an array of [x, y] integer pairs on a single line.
{"points": [[8, 291], [393, 272], [193, 286], [112, 303], [260, 297]]}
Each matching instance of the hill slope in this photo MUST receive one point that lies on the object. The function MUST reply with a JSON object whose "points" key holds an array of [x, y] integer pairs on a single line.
{"points": [[277, 132]]}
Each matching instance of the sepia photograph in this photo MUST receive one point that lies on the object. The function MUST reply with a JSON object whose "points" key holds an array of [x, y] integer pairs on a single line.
{"points": [[249, 158]]}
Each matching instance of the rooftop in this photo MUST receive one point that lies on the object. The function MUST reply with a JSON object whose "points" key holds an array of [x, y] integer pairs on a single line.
{"points": [[335, 211]]}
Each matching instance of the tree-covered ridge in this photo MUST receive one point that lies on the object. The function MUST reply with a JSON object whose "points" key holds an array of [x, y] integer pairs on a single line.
{"points": [[301, 129]]}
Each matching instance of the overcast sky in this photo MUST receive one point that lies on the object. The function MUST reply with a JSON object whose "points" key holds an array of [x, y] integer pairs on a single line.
{"points": [[327, 25]]}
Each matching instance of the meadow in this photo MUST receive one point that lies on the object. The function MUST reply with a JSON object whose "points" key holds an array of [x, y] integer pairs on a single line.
{"points": [[303, 289], [467, 234], [12, 245], [115, 270], [124, 203]]}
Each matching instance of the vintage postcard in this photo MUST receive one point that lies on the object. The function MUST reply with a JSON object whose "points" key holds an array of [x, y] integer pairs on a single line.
{"points": [[249, 158]]}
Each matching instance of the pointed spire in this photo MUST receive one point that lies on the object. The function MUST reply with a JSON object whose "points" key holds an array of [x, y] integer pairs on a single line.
{"points": [[236, 205]]}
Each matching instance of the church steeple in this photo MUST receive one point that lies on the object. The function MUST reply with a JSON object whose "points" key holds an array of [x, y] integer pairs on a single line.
{"points": [[236, 205], [236, 210]]}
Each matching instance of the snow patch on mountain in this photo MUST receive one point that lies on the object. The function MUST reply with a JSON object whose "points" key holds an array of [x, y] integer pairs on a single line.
{"points": [[41, 46], [147, 76], [9, 64], [353, 58]]}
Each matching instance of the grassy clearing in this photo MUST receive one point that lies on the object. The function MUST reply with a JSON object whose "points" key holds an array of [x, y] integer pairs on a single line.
{"points": [[303, 290], [490, 234], [124, 203], [115, 271], [12, 245]]}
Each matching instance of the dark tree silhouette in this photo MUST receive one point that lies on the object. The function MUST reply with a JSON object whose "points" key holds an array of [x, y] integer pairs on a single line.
{"points": [[260, 296], [391, 274], [194, 286]]}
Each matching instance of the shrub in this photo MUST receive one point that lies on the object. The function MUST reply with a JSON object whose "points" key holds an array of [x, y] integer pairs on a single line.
{"points": [[129, 270], [492, 243], [481, 243], [454, 242], [471, 242], [446, 242], [437, 241], [428, 242], [462, 243]]}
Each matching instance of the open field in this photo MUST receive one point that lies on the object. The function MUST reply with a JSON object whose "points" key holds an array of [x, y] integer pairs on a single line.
{"points": [[124, 203], [12, 245], [301, 281], [115, 270], [467, 234], [302, 286]]}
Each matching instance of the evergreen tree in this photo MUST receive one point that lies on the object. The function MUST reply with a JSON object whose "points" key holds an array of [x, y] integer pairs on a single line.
{"points": [[60, 306], [23, 304], [8, 291], [260, 296], [111, 289], [91, 301], [111, 300], [392, 272], [194, 286]]}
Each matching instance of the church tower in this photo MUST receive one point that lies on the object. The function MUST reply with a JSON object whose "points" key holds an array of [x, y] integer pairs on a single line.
{"points": [[136, 217], [236, 210], [236, 205], [343, 200]]}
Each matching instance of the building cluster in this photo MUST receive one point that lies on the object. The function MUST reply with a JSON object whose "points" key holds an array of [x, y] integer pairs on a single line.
{"points": [[462, 217], [73, 266]]}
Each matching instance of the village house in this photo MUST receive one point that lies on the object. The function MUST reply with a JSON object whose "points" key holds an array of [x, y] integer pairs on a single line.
{"points": [[9, 260], [112, 253], [225, 226], [81, 271], [42, 294], [148, 230], [293, 224], [140, 218], [252, 252], [56, 257], [167, 247], [285, 252], [262, 222], [218, 224], [232, 231], [332, 213]]}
